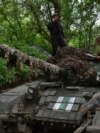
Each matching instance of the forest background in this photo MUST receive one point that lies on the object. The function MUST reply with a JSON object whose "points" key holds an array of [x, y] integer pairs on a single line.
{"points": [[23, 25]]}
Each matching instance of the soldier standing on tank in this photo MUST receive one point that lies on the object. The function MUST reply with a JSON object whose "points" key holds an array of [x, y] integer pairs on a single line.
{"points": [[56, 33]]}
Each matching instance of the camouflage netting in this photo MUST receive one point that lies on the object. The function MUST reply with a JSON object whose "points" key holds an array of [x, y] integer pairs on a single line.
{"points": [[17, 58], [74, 59]]}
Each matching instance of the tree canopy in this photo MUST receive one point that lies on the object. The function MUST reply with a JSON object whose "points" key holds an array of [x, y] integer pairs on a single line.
{"points": [[26, 21]]}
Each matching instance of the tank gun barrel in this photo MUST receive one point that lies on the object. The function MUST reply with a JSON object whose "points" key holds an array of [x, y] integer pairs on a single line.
{"points": [[16, 57]]}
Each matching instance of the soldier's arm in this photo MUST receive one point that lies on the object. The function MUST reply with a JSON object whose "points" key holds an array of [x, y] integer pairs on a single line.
{"points": [[93, 102]]}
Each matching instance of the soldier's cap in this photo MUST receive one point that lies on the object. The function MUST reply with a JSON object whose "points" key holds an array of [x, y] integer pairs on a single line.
{"points": [[55, 14]]}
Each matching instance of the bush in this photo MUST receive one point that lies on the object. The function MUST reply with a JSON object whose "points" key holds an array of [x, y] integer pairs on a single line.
{"points": [[10, 75], [22, 46], [6, 75], [24, 73]]}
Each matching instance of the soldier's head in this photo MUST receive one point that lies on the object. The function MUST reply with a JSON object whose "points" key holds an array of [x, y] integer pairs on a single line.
{"points": [[55, 17]]}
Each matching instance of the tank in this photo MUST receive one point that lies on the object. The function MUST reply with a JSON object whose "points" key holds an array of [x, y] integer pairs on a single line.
{"points": [[50, 104], [42, 106]]}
